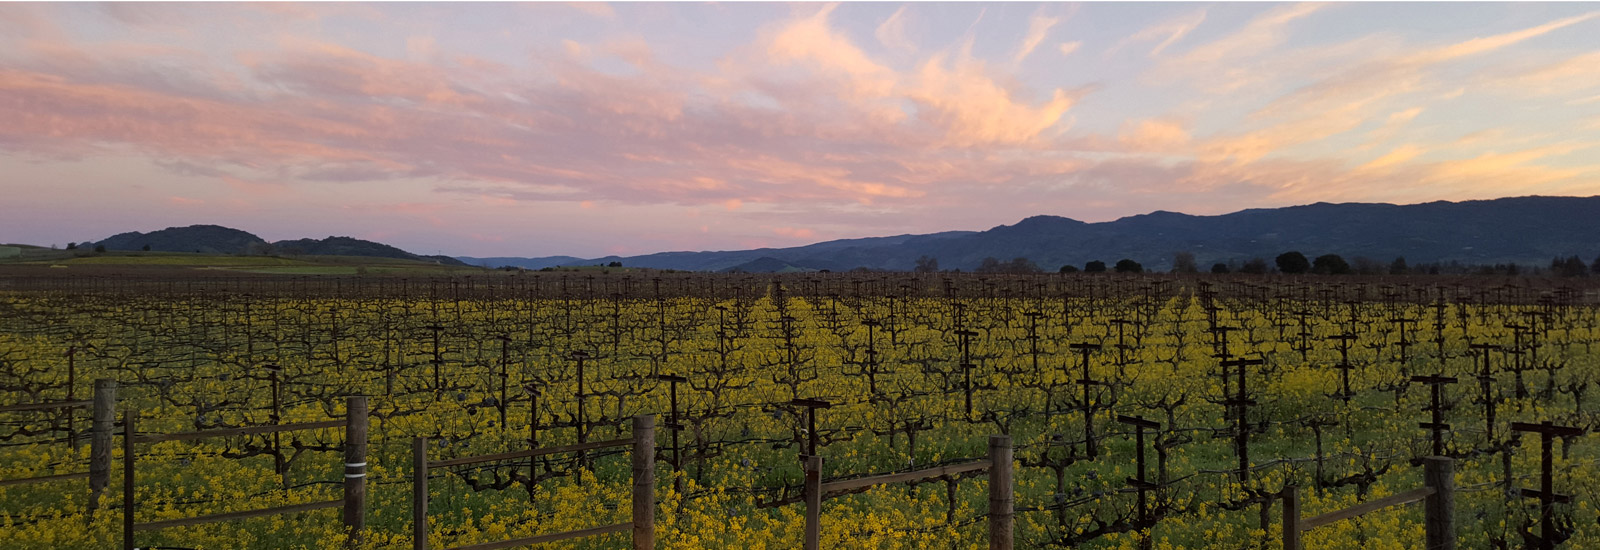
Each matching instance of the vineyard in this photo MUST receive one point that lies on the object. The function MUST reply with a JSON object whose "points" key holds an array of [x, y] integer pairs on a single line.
{"points": [[1141, 411]]}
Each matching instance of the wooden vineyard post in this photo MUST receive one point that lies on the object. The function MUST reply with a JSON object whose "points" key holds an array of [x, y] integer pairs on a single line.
{"points": [[127, 479], [1241, 403], [533, 437], [103, 424], [583, 437], [1439, 473], [1546, 491], [811, 406], [438, 358], [279, 465], [355, 467], [1138, 481], [1088, 406], [1436, 407], [676, 425], [505, 378], [1291, 518], [1001, 497], [72, 386], [1344, 366], [1404, 344], [813, 496], [419, 493], [1486, 385], [644, 482], [965, 343]]}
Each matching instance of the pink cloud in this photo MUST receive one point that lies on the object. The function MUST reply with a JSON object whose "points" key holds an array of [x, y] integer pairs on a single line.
{"points": [[801, 132], [795, 232]]}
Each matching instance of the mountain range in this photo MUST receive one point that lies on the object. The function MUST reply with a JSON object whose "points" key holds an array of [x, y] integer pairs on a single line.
{"points": [[216, 239], [1524, 230]]}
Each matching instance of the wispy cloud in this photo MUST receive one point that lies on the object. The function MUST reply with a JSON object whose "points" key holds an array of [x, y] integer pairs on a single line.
{"points": [[1164, 34], [1038, 28], [813, 124]]}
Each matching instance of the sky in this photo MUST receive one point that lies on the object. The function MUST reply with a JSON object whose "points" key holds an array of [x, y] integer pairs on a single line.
{"points": [[589, 129]]}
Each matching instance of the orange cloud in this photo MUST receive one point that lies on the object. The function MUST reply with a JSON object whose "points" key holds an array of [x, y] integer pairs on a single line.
{"points": [[1154, 135], [1399, 155]]}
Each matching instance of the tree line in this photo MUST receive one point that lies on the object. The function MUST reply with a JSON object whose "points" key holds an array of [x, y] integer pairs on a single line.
{"points": [[1290, 263]]}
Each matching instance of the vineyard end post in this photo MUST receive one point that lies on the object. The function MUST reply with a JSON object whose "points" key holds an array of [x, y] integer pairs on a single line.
{"points": [[128, 421], [644, 482], [355, 467], [1291, 517], [103, 425], [1439, 473], [1001, 498], [813, 496], [419, 493]]}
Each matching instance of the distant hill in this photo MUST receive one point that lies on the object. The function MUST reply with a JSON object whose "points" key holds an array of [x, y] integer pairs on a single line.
{"points": [[203, 239], [216, 239], [1525, 230], [349, 246], [766, 264]]}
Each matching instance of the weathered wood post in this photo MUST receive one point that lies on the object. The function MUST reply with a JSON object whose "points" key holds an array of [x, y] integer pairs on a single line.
{"points": [[355, 467], [1546, 492], [644, 482], [1438, 472], [100, 431], [72, 386], [419, 493], [1291, 517], [813, 496], [127, 479], [1001, 501]]}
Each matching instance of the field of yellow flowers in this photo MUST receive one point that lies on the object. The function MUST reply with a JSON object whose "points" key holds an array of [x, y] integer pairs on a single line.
{"points": [[919, 372]]}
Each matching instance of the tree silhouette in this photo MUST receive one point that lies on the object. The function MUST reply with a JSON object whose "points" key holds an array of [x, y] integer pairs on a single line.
{"points": [[1256, 266], [1183, 262], [1128, 266], [1094, 266], [1293, 262], [1328, 264]]}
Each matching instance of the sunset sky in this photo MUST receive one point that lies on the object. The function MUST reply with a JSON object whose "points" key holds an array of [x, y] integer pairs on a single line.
{"points": [[592, 129]]}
